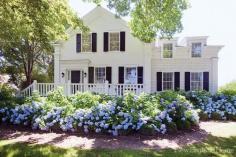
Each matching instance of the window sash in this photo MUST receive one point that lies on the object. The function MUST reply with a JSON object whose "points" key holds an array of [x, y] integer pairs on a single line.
{"points": [[168, 81], [100, 74], [114, 41], [196, 81], [130, 75], [167, 51], [86, 41], [196, 49]]}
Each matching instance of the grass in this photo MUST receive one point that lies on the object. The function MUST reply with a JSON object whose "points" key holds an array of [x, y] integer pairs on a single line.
{"points": [[212, 147]]}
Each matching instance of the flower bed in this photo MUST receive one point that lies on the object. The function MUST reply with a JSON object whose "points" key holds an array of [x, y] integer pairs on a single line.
{"points": [[147, 114], [216, 107]]}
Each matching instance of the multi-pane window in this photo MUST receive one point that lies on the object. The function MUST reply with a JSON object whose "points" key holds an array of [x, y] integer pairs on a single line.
{"points": [[130, 75], [100, 75], [114, 41], [87, 42], [167, 50], [196, 81], [196, 49], [168, 81]]}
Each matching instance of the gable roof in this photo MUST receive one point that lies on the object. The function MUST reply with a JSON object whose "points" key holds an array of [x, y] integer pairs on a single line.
{"points": [[94, 14], [100, 11]]}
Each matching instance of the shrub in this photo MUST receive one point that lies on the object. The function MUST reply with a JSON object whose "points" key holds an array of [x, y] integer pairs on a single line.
{"points": [[219, 107], [34, 98], [228, 89], [203, 116], [144, 114], [57, 97], [197, 97], [104, 98], [7, 96], [85, 100]]}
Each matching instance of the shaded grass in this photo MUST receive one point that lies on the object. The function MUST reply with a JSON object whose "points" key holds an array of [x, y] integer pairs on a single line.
{"points": [[212, 147]]}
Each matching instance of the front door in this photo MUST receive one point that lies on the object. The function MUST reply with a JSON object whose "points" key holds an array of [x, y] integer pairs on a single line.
{"points": [[76, 76]]}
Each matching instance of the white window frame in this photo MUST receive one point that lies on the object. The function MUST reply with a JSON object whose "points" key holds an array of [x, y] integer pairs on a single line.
{"points": [[173, 81], [95, 76], [162, 50], [201, 81], [109, 41], [82, 43], [125, 74], [200, 50]]}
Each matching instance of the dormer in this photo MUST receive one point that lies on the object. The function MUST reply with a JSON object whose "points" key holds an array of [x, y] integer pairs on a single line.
{"points": [[196, 45], [168, 47]]}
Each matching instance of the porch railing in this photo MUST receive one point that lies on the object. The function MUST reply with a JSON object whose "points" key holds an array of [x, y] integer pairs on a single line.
{"points": [[72, 88]]}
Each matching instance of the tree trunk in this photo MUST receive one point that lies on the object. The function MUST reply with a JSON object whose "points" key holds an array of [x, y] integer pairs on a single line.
{"points": [[29, 64], [28, 78]]}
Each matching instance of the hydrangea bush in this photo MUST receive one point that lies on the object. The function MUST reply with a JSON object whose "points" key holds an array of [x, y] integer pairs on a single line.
{"points": [[217, 107], [104, 114]]}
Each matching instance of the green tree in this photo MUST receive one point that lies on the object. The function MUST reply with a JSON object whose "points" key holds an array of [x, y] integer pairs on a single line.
{"points": [[150, 18], [28, 27]]}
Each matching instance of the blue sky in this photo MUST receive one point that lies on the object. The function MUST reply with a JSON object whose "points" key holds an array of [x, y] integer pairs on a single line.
{"points": [[213, 18]]}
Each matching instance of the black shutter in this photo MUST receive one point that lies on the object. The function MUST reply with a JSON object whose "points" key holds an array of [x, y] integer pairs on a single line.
{"points": [[121, 75], [109, 74], [159, 81], [140, 75], [206, 81], [177, 80], [94, 42], [187, 81], [90, 74], [105, 41], [78, 43], [122, 41]]}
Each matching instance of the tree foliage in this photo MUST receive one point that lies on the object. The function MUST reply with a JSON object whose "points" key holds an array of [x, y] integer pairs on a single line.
{"points": [[150, 18], [28, 29]]}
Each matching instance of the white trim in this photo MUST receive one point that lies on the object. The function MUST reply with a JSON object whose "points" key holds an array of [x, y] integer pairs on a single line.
{"points": [[162, 50], [90, 33], [201, 88], [173, 80], [95, 73], [191, 47], [110, 38], [136, 68]]}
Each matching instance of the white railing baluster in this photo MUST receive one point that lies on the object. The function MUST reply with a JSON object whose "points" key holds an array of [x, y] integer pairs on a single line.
{"points": [[110, 89]]}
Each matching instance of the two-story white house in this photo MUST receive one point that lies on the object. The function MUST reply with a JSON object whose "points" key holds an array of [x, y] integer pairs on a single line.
{"points": [[109, 55]]}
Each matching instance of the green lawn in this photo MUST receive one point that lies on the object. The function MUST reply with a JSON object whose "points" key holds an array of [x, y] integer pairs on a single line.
{"points": [[214, 146]]}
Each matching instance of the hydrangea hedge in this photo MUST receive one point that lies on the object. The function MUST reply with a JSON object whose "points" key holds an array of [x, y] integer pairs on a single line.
{"points": [[147, 114], [216, 107]]}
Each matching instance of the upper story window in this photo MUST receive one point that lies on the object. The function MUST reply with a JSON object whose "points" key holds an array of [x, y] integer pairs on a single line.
{"points": [[87, 42], [196, 49], [114, 42], [168, 80], [196, 81], [100, 74], [130, 75], [167, 50]]}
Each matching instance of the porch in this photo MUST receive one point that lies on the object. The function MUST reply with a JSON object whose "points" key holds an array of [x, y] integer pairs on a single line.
{"points": [[72, 88]]}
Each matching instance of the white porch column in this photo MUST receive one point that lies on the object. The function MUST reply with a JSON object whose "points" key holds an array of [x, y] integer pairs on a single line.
{"points": [[214, 76], [57, 63], [147, 67]]}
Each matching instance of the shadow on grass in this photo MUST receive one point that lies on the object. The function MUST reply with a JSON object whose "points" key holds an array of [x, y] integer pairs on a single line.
{"points": [[100, 141], [212, 147]]}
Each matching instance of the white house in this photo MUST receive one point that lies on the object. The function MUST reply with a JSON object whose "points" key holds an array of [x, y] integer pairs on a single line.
{"points": [[110, 60]]}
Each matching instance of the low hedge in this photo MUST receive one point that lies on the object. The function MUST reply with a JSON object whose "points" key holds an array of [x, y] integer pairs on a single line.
{"points": [[149, 114], [162, 112]]}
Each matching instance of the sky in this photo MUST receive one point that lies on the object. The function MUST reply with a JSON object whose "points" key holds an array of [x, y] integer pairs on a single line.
{"points": [[213, 18]]}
